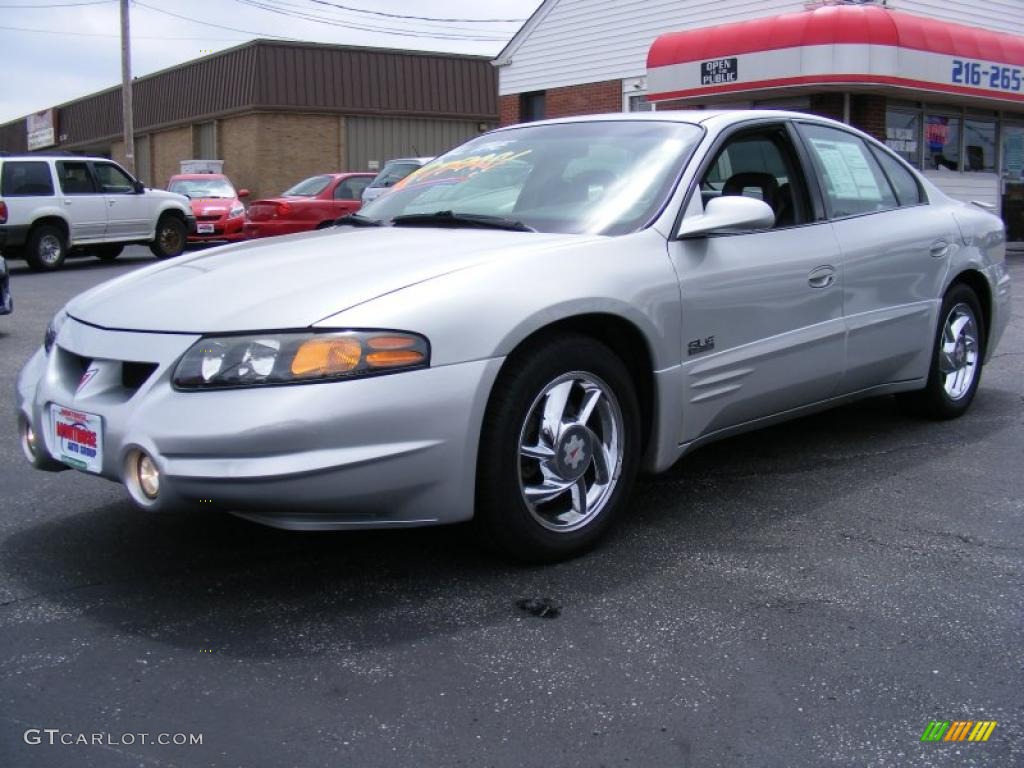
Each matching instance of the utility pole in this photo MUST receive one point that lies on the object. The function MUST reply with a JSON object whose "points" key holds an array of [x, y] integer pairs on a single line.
{"points": [[126, 91]]}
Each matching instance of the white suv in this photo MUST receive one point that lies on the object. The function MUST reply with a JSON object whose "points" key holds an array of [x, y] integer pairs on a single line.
{"points": [[51, 204]]}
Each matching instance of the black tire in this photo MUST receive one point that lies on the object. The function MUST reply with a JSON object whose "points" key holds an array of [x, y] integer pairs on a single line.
{"points": [[46, 249], [171, 237], [108, 252], [503, 517], [935, 400]]}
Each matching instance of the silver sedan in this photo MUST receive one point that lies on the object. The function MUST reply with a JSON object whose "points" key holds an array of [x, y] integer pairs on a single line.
{"points": [[515, 330]]}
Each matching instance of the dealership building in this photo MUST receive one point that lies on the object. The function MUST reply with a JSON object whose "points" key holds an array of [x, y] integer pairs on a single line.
{"points": [[277, 112], [940, 81]]}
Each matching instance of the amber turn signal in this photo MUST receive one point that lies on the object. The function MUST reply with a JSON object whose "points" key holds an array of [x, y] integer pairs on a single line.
{"points": [[393, 358], [327, 356]]}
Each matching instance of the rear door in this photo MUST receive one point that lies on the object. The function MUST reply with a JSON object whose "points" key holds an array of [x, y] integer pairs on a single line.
{"points": [[84, 203], [130, 215], [896, 251], [762, 310]]}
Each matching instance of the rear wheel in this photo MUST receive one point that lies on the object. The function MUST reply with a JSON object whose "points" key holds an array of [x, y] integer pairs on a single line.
{"points": [[108, 252], [46, 248], [956, 358], [171, 236], [559, 450]]}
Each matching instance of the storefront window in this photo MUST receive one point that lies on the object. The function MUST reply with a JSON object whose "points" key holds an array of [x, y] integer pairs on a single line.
{"points": [[979, 144], [942, 142], [903, 134]]}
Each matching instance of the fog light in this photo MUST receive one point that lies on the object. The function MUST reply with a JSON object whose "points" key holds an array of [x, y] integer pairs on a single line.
{"points": [[148, 476], [29, 442]]}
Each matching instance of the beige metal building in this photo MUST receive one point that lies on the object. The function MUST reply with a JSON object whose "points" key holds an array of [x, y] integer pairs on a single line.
{"points": [[277, 112]]}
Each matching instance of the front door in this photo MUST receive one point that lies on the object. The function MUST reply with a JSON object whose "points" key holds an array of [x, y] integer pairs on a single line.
{"points": [[762, 310], [129, 214], [1013, 182]]}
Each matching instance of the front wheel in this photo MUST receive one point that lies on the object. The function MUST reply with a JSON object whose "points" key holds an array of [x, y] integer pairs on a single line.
{"points": [[171, 236], [957, 357], [559, 449]]}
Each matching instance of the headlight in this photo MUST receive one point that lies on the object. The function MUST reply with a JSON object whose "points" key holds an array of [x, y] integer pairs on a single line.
{"points": [[53, 329], [254, 360], [237, 210]]}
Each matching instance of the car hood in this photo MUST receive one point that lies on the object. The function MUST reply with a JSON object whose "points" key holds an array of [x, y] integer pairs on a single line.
{"points": [[163, 194], [295, 280]]}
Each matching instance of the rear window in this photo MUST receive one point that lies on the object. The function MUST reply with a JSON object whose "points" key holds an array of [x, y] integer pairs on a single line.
{"points": [[21, 178], [393, 173]]}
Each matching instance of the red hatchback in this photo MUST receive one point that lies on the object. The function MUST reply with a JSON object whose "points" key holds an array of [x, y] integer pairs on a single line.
{"points": [[310, 204], [218, 209]]}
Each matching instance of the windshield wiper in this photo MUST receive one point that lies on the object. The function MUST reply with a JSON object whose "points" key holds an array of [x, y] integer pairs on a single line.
{"points": [[452, 219], [356, 220]]}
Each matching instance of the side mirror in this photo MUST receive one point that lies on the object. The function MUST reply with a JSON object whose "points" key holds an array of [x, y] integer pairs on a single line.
{"points": [[243, 193], [139, 187], [731, 212]]}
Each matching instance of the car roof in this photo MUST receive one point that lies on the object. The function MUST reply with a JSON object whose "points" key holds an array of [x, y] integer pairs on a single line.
{"points": [[420, 160], [199, 176], [50, 156], [718, 118]]}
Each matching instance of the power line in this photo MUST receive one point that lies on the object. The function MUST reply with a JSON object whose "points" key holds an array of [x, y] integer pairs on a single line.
{"points": [[417, 18], [210, 23], [363, 27], [134, 37], [60, 5], [421, 26]]}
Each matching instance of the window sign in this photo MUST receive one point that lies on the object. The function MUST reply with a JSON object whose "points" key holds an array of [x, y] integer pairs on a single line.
{"points": [[942, 142], [847, 170], [902, 134]]}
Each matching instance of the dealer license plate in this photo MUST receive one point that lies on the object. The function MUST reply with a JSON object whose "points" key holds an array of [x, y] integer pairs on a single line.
{"points": [[204, 229], [77, 438]]}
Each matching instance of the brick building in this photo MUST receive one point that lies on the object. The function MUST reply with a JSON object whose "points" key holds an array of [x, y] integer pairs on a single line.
{"points": [[277, 112], [941, 82]]}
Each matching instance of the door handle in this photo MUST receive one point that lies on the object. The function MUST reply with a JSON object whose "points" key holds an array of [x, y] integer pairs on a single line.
{"points": [[67, 202], [939, 249], [821, 277]]}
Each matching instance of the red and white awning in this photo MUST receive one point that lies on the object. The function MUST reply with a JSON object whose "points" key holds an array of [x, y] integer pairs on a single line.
{"points": [[837, 45]]}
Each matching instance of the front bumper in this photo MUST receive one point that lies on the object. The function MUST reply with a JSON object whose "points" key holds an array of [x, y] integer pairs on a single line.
{"points": [[224, 230], [377, 452]]}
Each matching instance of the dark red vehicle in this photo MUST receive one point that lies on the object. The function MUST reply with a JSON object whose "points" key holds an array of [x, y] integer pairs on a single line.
{"points": [[310, 204]]}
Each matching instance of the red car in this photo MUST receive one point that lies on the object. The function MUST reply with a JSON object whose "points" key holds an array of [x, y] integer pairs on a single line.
{"points": [[218, 209], [311, 204]]}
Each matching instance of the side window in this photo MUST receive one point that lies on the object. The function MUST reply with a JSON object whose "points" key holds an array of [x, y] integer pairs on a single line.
{"points": [[760, 164], [350, 189], [21, 179], [113, 180], [852, 180], [75, 178], [908, 191]]}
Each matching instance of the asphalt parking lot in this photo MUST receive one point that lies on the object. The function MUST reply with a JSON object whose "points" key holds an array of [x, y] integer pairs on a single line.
{"points": [[809, 595]]}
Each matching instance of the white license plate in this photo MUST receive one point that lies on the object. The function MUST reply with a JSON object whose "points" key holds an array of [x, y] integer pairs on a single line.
{"points": [[77, 438], [204, 229]]}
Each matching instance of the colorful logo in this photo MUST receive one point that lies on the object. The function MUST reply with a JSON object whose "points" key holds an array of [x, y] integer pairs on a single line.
{"points": [[958, 730]]}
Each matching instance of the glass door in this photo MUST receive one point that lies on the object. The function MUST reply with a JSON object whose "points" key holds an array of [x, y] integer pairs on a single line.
{"points": [[1013, 182]]}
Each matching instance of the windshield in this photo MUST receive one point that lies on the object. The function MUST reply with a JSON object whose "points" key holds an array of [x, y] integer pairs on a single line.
{"points": [[202, 187], [601, 177], [308, 188], [393, 173]]}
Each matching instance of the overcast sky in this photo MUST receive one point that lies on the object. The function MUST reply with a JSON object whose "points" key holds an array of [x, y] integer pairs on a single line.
{"points": [[78, 51]]}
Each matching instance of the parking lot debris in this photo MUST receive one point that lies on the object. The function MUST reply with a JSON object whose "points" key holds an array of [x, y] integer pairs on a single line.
{"points": [[541, 607]]}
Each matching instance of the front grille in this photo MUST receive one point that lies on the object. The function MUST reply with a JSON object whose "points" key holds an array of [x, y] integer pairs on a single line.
{"points": [[134, 375], [214, 217]]}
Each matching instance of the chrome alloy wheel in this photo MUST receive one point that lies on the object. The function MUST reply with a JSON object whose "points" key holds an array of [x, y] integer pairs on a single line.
{"points": [[958, 354], [49, 249], [570, 451]]}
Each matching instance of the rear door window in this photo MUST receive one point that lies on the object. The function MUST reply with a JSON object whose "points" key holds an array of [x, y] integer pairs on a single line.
{"points": [[23, 178], [851, 178], [351, 189], [75, 178], [908, 191]]}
